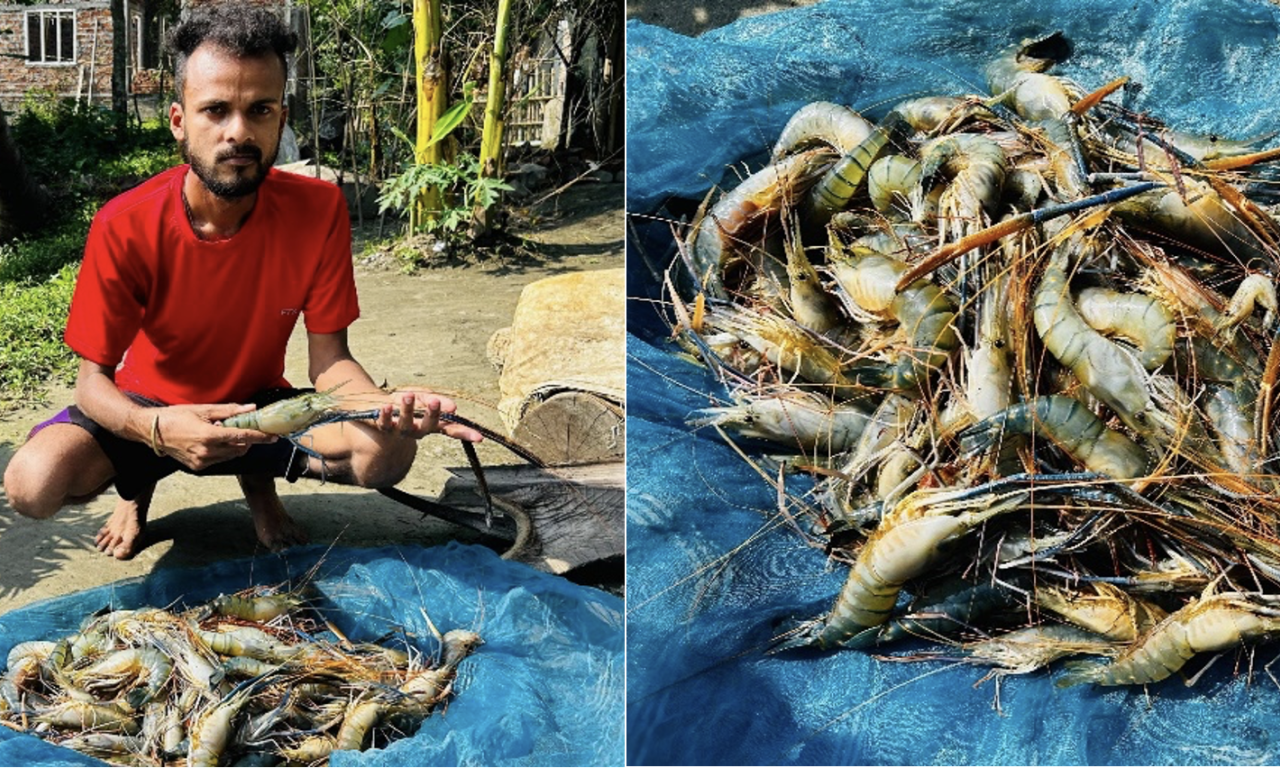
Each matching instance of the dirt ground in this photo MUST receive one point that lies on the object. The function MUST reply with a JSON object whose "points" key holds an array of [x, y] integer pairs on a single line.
{"points": [[695, 18], [425, 329]]}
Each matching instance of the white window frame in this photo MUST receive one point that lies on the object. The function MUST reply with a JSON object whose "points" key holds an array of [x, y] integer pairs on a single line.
{"points": [[26, 34], [138, 47]]}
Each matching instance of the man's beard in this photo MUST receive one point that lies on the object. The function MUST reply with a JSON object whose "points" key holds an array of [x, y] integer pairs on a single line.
{"points": [[239, 185]]}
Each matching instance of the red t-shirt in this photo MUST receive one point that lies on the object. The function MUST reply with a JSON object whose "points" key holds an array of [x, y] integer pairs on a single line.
{"points": [[208, 321]]}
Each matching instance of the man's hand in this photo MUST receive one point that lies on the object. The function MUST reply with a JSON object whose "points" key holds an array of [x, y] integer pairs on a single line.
{"points": [[188, 433], [416, 414]]}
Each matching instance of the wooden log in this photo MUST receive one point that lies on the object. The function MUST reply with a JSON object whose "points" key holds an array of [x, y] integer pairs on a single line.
{"points": [[571, 428], [568, 334], [565, 517]]}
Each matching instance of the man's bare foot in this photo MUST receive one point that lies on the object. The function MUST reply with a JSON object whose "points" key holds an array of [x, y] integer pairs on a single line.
{"points": [[121, 537], [275, 529]]}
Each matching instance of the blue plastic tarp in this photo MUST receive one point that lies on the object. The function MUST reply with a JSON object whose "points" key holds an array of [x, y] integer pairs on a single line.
{"points": [[713, 572], [545, 689]]}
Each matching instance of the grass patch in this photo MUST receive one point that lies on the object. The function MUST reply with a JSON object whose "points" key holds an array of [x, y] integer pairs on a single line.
{"points": [[33, 260], [32, 318]]}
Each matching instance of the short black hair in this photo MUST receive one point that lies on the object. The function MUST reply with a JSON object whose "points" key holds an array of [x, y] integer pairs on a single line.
{"points": [[242, 29]]}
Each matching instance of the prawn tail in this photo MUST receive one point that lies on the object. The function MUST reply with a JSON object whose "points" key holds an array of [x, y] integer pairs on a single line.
{"points": [[980, 437], [1078, 673]]}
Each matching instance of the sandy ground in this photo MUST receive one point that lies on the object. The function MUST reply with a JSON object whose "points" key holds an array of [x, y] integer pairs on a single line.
{"points": [[697, 17], [428, 329]]}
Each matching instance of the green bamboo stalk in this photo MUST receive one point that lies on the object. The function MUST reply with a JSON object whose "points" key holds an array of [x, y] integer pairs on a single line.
{"points": [[495, 105], [432, 94], [491, 137]]}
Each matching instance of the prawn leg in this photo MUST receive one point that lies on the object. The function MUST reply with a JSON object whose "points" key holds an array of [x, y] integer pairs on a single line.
{"points": [[1091, 100]]}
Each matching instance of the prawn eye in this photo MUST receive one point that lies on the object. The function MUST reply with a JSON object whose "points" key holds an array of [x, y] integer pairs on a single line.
{"points": [[1141, 417], [999, 343]]}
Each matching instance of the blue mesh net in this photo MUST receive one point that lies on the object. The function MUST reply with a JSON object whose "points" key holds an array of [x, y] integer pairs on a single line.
{"points": [[545, 689], [713, 572]]}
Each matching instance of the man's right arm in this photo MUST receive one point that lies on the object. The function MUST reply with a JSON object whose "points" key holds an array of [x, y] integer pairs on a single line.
{"points": [[185, 432]]}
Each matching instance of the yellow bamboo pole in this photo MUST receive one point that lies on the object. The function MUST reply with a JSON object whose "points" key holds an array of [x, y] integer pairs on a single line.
{"points": [[432, 83], [494, 106], [491, 137]]}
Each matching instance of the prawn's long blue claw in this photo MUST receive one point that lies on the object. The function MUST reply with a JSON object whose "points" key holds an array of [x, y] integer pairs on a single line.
{"points": [[472, 457], [1153, 137], [1041, 215], [334, 417], [474, 460], [296, 440]]}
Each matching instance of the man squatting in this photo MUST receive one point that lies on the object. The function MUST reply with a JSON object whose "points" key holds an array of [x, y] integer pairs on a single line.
{"points": [[191, 285]]}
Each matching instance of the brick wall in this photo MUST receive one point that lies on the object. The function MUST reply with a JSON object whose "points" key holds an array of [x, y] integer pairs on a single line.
{"points": [[17, 76], [263, 3]]}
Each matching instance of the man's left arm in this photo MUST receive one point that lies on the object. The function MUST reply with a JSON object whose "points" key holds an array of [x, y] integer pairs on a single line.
{"points": [[411, 414]]}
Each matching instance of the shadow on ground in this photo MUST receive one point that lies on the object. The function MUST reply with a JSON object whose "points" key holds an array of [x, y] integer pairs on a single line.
{"points": [[578, 229], [56, 550], [47, 547], [224, 530]]}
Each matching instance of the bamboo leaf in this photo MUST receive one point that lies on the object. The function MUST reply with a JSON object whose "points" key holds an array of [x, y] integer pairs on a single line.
{"points": [[452, 118]]}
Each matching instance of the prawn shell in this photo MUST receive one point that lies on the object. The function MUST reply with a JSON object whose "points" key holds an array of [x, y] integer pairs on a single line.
{"points": [[263, 608], [286, 417], [360, 719], [888, 559]]}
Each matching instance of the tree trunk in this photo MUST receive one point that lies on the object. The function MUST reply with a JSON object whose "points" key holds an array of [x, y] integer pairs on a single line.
{"points": [[119, 64], [24, 204], [615, 64], [428, 53]]}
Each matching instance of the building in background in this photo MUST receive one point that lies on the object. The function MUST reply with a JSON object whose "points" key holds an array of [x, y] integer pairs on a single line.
{"points": [[66, 49]]}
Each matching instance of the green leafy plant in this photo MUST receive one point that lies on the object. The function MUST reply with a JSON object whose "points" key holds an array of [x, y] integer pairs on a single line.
{"points": [[80, 156], [465, 190], [31, 260]]}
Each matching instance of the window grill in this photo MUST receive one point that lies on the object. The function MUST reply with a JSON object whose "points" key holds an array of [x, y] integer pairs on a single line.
{"points": [[51, 37]]}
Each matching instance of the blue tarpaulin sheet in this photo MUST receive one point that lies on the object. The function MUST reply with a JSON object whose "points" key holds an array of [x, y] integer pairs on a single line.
{"points": [[713, 572], [545, 689]]}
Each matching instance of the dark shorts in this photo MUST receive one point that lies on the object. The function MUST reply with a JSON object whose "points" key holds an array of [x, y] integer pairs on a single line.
{"points": [[138, 467]]}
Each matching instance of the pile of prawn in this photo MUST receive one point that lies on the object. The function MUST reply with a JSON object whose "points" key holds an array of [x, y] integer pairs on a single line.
{"points": [[241, 680], [1024, 343]]}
